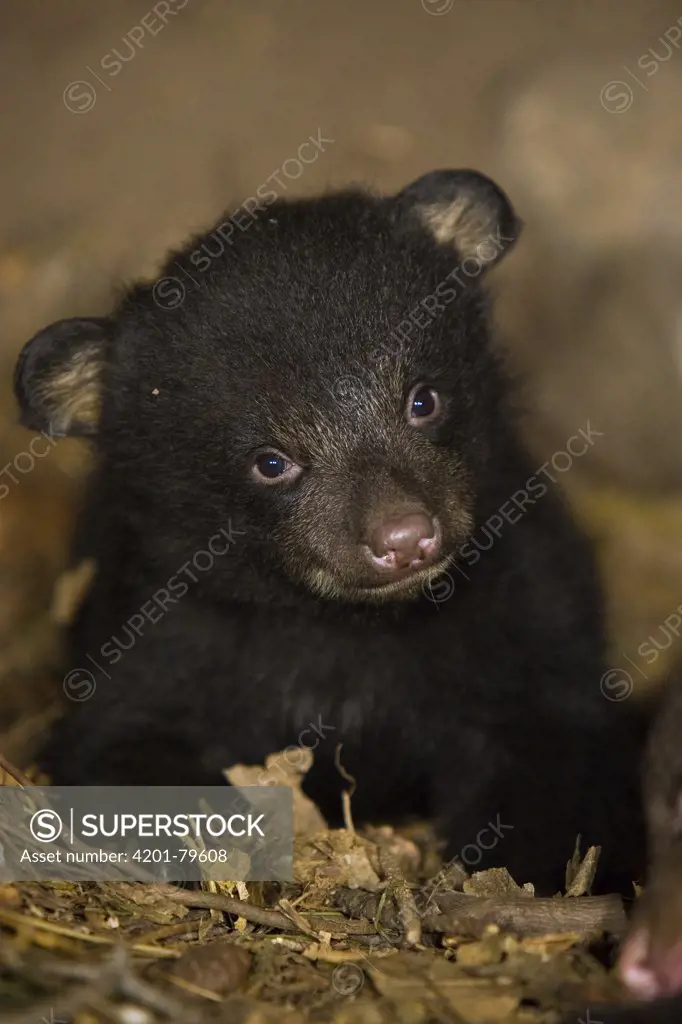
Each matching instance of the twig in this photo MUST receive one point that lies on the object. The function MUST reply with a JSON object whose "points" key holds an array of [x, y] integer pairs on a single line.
{"points": [[333, 923], [17, 921], [347, 794], [402, 894], [230, 905], [124, 981], [101, 982], [530, 916], [140, 991], [14, 773], [57, 1006], [188, 986], [459, 913], [68, 1004], [297, 918], [165, 931]]}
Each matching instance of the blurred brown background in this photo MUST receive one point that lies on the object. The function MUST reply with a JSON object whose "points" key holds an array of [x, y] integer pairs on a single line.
{"points": [[127, 125]]}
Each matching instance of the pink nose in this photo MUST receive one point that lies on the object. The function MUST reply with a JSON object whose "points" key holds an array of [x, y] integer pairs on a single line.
{"points": [[650, 974], [410, 542]]}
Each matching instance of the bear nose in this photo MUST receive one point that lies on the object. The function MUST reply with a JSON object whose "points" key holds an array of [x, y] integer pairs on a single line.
{"points": [[410, 542]]}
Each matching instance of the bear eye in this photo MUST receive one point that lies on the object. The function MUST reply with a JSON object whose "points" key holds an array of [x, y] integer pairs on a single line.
{"points": [[423, 405], [271, 467]]}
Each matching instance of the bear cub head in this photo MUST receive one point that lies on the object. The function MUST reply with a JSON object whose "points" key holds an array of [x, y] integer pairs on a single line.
{"points": [[322, 378]]}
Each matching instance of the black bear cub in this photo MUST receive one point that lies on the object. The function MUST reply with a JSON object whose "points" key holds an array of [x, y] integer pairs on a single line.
{"points": [[304, 444]]}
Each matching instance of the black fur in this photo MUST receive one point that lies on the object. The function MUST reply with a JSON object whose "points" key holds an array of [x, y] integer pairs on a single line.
{"points": [[482, 708]]}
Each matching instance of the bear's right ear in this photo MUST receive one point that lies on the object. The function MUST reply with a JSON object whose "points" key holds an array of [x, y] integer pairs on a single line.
{"points": [[57, 379]]}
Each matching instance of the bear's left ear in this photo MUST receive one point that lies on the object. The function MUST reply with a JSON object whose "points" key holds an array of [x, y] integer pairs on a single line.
{"points": [[464, 210], [57, 379]]}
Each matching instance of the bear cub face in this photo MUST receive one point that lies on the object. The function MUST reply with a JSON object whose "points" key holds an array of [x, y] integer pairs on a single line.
{"points": [[325, 380]]}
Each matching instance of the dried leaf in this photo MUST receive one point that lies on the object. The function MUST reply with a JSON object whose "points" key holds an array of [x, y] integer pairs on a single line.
{"points": [[495, 882], [580, 873], [335, 859], [219, 967], [148, 902], [427, 982], [488, 950], [280, 771], [10, 896], [476, 1006]]}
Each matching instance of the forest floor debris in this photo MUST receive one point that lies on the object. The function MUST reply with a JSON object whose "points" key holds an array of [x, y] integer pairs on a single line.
{"points": [[365, 933]]}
